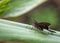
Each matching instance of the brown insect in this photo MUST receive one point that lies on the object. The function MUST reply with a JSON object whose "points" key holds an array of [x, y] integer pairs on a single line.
{"points": [[43, 25]]}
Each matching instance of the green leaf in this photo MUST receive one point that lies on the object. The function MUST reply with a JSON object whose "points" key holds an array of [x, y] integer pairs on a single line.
{"points": [[13, 31], [12, 8]]}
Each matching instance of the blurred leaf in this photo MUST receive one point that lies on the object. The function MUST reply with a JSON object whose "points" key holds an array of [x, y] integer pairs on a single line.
{"points": [[12, 8], [13, 31]]}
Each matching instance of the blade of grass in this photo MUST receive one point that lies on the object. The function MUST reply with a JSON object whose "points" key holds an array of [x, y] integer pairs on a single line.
{"points": [[11, 31], [13, 8]]}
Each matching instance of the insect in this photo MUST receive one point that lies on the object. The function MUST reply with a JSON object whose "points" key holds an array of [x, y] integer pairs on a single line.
{"points": [[43, 25]]}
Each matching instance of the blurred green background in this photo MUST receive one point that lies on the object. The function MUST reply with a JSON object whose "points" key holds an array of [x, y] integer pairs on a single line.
{"points": [[46, 12]]}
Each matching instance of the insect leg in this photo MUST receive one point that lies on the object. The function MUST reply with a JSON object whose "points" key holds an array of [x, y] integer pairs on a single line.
{"points": [[51, 30]]}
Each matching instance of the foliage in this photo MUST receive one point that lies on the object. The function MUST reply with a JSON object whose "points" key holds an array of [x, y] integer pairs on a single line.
{"points": [[13, 8], [13, 31]]}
